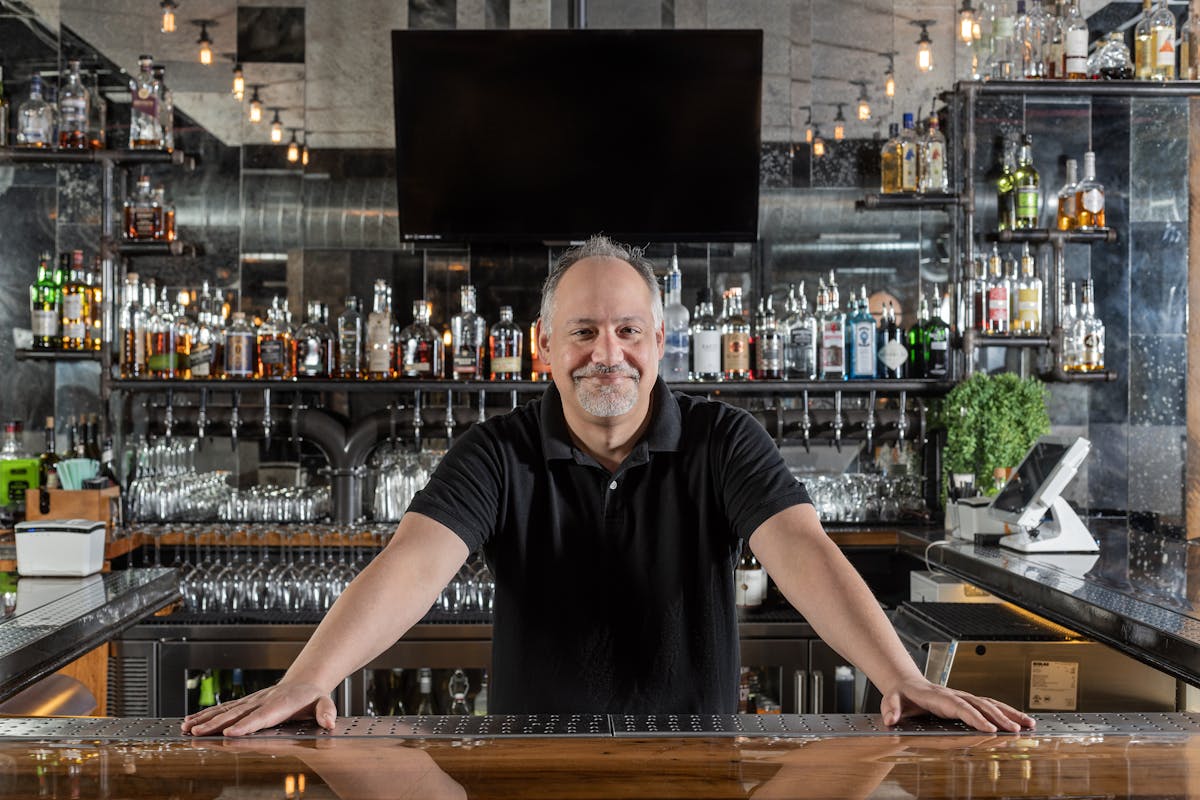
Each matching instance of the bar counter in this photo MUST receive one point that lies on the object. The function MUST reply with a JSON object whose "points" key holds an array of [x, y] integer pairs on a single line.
{"points": [[47, 622], [1077, 755], [1140, 593]]}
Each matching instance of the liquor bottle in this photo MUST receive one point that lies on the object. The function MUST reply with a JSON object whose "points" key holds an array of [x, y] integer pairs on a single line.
{"points": [[76, 306], [274, 346], [800, 355], [419, 350], [35, 118], [1032, 38], [379, 348], [1112, 61], [861, 339], [457, 687], [889, 161], [143, 214], [481, 697], [539, 370], [45, 309], [74, 110], [909, 156], [314, 344], [1066, 215], [162, 349], [166, 107], [1028, 319], [892, 353], [392, 702], [48, 460], [1071, 347], [1089, 333], [91, 441], [1055, 51], [706, 339], [759, 321], [1162, 39], [936, 340], [1089, 197], [1012, 272], [749, 581], [240, 348], [349, 341], [770, 347], [1075, 43], [145, 123], [202, 353], [4, 112], [933, 174], [425, 684], [1006, 198], [93, 280], [132, 324], [504, 347], [996, 321], [237, 685], [832, 326], [1143, 49], [1189, 51], [468, 339], [166, 228], [1004, 60], [676, 329], [1026, 187], [916, 340], [735, 338]]}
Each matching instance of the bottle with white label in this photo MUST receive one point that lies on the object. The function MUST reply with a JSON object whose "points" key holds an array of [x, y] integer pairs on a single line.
{"points": [[468, 335], [892, 354], [1075, 43], [706, 339], [419, 352], [240, 348], [677, 329], [800, 355], [1089, 197], [997, 306], [1028, 297], [831, 323], [860, 339], [735, 339], [379, 334], [504, 345], [933, 175]]}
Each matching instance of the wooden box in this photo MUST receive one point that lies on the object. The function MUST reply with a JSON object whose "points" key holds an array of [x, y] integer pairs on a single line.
{"points": [[97, 504]]}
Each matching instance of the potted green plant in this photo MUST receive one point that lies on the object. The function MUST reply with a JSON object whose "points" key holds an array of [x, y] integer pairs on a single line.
{"points": [[990, 421]]}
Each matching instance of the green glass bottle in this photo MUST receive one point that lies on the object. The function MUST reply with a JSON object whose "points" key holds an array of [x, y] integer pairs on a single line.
{"points": [[1026, 187], [44, 300]]}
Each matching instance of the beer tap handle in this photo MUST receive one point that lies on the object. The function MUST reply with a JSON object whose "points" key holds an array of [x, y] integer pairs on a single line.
{"points": [[482, 406], [392, 425], [921, 411], [838, 421], [512, 395], [449, 418], [806, 421], [234, 420], [902, 420], [294, 425], [870, 424], [202, 418], [267, 422], [170, 420], [416, 420]]}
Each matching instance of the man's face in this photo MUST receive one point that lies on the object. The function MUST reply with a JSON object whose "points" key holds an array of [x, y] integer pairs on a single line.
{"points": [[603, 346]]}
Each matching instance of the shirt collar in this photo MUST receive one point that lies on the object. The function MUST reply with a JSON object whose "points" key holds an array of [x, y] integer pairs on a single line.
{"points": [[663, 434]]}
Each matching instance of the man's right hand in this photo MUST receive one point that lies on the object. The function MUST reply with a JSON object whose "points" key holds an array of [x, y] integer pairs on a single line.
{"points": [[262, 709]]}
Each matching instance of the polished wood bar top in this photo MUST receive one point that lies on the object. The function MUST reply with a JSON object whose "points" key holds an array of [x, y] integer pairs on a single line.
{"points": [[1147, 763]]}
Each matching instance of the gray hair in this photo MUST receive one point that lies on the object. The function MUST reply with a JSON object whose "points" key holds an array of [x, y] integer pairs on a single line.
{"points": [[600, 246]]}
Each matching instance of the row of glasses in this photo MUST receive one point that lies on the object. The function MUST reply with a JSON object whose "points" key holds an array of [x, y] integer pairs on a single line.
{"points": [[472, 589], [275, 504], [865, 497], [399, 474]]}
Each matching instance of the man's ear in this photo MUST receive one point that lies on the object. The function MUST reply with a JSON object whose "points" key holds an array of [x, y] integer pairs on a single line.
{"points": [[660, 338], [543, 341]]}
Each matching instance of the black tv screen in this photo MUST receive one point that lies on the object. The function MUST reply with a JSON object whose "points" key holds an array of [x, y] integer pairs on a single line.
{"points": [[553, 135]]}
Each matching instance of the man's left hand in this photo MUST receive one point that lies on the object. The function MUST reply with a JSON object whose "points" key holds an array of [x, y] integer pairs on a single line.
{"points": [[919, 696]]}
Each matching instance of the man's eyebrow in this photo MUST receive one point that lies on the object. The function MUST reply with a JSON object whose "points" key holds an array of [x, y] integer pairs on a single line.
{"points": [[592, 321]]}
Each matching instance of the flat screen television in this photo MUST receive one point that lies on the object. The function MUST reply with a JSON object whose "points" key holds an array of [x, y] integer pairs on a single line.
{"points": [[553, 135]]}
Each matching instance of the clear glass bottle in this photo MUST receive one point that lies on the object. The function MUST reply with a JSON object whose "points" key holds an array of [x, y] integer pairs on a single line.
{"points": [[4, 112], [166, 107], [314, 344], [1162, 39], [274, 346], [1028, 297], [468, 338], [185, 336], [379, 348], [706, 339], [1071, 346], [891, 352], [677, 344], [1066, 215], [1143, 48], [1054, 53], [735, 338], [1189, 49], [1089, 197], [202, 354], [166, 229], [889, 161], [1004, 59], [45, 307], [933, 174], [769, 351], [425, 685], [861, 339], [76, 306], [419, 352], [749, 581], [95, 319], [145, 122], [241, 344], [74, 110], [457, 686], [831, 322], [1112, 60], [131, 323], [1026, 187], [35, 118], [1089, 333], [505, 347], [143, 213], [349, 342], [1006, 198], [1075, 43], [996, 320], [161, 346], [481, 697], [909, 156], [1032, 38], [800, 357]]}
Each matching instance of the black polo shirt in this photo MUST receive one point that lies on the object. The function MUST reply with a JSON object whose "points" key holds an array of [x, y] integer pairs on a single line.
{"points": [[614, 591]]}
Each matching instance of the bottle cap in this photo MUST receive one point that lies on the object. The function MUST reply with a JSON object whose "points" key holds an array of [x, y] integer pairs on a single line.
{"points": [[908, 120]]}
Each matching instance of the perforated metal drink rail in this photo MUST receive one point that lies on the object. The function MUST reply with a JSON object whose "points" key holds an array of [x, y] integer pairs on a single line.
{"points": [[603, 726]]}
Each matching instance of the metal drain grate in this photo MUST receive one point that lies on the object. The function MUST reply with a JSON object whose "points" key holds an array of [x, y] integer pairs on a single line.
{"points": [[599, 725]]}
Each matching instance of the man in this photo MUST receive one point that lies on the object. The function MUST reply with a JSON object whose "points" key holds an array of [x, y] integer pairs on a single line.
{"points": [[612, 513]]}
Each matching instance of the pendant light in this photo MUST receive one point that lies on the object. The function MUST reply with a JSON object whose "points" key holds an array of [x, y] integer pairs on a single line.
{"points": [[924, 45], [864, 103], [276, 127], [256, 106], [839, 124], [968, 24], [293, 148], [239, 82], [168, 15], [818, 144], [304, 151], [889, 77], [205, 41]]}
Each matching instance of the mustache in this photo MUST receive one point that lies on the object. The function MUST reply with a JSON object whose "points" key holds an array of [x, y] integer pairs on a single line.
{"points": [[595, 370]]}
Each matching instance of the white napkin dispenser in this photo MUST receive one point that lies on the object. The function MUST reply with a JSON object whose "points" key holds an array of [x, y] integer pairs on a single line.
{"points": [[67, 547]]}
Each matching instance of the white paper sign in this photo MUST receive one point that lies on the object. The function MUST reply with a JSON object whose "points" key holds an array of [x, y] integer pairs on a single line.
{"points": [[1053, 685]]}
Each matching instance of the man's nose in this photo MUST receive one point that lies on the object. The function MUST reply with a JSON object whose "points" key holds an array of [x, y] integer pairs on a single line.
{"points": [[607, 348]]}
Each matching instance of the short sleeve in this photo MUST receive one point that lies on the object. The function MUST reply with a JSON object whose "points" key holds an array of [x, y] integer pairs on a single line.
{"points": [[464, 493], [755, 482]]}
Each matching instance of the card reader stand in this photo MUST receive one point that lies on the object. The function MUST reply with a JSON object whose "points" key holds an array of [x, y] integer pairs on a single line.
{"points": [[1064, 532]]}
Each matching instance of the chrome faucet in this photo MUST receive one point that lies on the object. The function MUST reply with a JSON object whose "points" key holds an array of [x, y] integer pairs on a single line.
{"points": [[869, 425], [838, 421], [902, 418], [806, 422], [267, 421]]}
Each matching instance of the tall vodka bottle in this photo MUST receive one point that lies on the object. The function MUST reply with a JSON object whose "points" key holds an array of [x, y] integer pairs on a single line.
{"points": [[677, 329]]}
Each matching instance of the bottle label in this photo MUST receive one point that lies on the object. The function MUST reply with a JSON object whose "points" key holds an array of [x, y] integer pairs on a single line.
{"points": [[1164, 53], [893, 355], [708, 352], [239, 354], [145, 101], [200, 360], [997, 305], [348, 355], [144, 222], [1029, 308], [270, 351], [506, 364], [770, 354], [308, 357], [464, 365], [750, 587], [935, 167], [73, 329], [72, 306], [414, 367], [44, 323], [833, 347], [1076, 50], [1093, 201], [736, 351], [908, 167], [1027, 203], [379, 359], [72, 113], [864, 350]]}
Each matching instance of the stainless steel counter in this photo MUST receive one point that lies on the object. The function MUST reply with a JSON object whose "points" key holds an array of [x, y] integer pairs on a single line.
{"points": [[1139, 594], [48, 622]]}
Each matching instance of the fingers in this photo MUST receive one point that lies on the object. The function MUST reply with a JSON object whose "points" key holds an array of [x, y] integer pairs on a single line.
{"points": [[981, 713], [325, 712]]}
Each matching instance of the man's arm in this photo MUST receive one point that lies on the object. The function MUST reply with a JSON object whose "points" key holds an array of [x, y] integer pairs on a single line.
{"points": [[817, 579], [377, 608]]}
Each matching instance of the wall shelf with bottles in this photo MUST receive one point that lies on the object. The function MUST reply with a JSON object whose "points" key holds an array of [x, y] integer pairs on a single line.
{"points": [[173, 248], [1115, 88], [1005, 340], [1056, 238], [907, 200], [33, 155], [27, 354]]}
